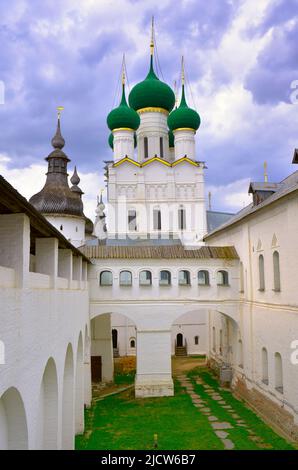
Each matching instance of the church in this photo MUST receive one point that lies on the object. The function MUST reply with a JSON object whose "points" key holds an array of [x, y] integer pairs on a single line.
{"points": [[156, 274]]}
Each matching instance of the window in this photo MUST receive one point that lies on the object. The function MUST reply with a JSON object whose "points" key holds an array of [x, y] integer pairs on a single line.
{"points": [[156, 219], [261, 273], [161, 147], [181, 218], [61, 227], [265, 366], [213, 339], [164, 278], [222, 278], [132, 343], [76, 229], [106, 278], [132, 220], [145, 278], [146, 152], [240, 353], [184, 278], [125, 278], [196, 340], [276, 271], [278, 373], [115, 338], [203, 278]]}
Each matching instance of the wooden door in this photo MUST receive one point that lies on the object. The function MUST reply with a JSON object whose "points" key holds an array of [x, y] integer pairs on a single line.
{"points": [[96, 369]]}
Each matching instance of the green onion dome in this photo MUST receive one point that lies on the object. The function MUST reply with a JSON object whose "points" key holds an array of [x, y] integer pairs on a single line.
{"points": [[171, 139], [151, 92], [123, 116], [184, 117], [111, 140]]}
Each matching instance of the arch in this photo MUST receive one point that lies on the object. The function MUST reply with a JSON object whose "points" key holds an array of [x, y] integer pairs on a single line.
{"points": [[106, 278], [222, 278], [13, 422], [125, 278], [79, 388], [145, 277], [278, 372], [265, 376], [203, 277], [274, 241], [179, 340], [196, 340], [240, 353], [261, 273], [48, 408], [276, 271], [184, 277], [132, 343], [164, 278], [68, 401]]}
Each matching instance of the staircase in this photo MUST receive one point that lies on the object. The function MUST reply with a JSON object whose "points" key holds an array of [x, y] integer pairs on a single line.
{"points": [[180, 351]]}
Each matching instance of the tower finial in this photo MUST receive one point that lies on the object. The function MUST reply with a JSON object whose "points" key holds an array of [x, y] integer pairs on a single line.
{"points": [[58, 141], [152, 36], [265, 172], [182, 71], [59, 110], [123, 70]]}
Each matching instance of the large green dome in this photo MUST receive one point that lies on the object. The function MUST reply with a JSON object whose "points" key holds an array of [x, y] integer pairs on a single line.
{"points": [[184, 117], [152, 92], [123, 116]]}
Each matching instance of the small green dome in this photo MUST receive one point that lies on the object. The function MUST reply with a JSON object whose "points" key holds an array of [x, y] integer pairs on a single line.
{"points": [[171, 139], [184, 116], [151, 92], [111, 140], [123, 116]]}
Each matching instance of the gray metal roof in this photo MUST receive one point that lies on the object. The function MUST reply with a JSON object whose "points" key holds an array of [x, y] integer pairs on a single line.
{"points": [[216, 218]]}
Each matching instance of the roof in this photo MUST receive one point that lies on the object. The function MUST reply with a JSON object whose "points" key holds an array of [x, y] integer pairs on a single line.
{"points": [[160, 252], [216, 218], [263, 186], [285, 187], [12, 202]]}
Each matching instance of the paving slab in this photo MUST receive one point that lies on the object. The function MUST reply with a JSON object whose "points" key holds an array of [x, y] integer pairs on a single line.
{"points": [[212, 418], [223, 425], [221, 434], [229, 445]]}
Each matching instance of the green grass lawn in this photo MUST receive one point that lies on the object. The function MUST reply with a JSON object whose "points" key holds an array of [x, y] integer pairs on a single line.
{"points": [[120, 422]]}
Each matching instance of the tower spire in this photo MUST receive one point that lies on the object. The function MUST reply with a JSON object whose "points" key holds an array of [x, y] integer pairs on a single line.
{"points": [[152, 37], [182, 71], [58, 141], [123, 70]]}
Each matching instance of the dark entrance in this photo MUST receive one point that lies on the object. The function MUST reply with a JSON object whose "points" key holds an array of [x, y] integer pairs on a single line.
{"points": [[179, 340], [96, 369], [115, 339]]}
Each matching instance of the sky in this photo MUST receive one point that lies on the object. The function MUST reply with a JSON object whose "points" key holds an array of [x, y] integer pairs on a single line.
{"points": [[241, 60]]}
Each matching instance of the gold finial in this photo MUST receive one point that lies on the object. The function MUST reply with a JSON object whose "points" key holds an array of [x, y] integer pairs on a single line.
{"points": [[60, 109], [123, 70], [182, 71], [152, 36], [265, 172], [209, 200]]}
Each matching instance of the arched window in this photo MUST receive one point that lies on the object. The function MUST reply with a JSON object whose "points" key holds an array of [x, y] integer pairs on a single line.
{"points": [[164, 278], [132, 220], [61, 227], [161, 147], [179, 340], [278, 373], [145, 278], [203, 278], [132, 343], [213, 339], [125, 278], [261, 273], [240, 353], [276, 271], [222, 278], [184, 278], [156, 219], [106, 278], [146, 151], [196, 340], [265, 366], [181, 218]]}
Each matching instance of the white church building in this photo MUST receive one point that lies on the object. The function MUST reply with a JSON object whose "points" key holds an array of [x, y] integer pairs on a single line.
{"points": [[155, 275]]}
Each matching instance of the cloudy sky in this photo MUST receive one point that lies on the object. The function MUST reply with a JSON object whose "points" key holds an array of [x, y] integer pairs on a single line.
{"points": [[241, 62]]}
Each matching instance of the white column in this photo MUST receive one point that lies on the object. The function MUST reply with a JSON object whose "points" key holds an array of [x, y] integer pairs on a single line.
{"points": [[101, 344], [65, 264], [15, 245], [185, 144], [46, 258], [123, 144], [154, 370]]}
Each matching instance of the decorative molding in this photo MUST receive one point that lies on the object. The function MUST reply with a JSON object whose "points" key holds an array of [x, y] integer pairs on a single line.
{"points": [[156, 159], [153, 110]]}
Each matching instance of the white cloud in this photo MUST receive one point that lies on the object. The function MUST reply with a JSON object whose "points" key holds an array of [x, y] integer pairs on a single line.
{"points": [[231, 197]]}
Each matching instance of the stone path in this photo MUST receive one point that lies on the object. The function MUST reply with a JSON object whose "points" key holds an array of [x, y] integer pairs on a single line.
{"points": [[220, 428]]}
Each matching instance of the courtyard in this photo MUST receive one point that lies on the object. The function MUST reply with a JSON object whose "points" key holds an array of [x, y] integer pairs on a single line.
{"points": [[201, 416]]}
